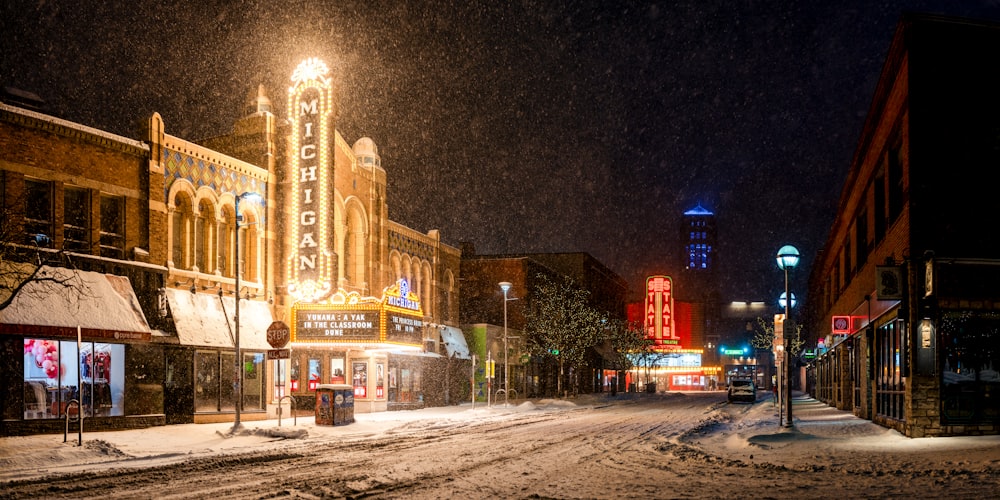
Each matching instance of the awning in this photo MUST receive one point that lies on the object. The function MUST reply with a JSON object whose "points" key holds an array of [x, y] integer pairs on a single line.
{"points": [[207, 320], [454, 342], [102, 305]]}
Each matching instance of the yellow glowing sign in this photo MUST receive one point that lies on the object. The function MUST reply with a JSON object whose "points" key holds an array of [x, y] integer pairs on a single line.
{"points": [[312, 264]]}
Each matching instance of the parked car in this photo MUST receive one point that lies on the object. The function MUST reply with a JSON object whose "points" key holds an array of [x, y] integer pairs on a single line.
{"points": [[742, 389]]}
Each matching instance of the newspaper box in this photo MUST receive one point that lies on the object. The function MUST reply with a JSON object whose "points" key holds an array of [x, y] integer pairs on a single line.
{"points": [[334, 404]]}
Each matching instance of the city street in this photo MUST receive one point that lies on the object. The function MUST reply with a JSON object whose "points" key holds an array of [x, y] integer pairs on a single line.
{"points": [[633, 446]]}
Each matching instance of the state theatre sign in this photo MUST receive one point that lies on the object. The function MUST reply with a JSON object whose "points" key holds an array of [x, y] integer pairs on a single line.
{"points": [[659, 315]]}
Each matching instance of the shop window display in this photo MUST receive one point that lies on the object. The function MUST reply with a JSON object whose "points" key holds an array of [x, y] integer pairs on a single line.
{"points": [[55, 371]]}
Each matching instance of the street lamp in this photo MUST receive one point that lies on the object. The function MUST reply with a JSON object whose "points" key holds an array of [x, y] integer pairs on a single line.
{"points": [[788, 257], [236, 336], [505, 286]]}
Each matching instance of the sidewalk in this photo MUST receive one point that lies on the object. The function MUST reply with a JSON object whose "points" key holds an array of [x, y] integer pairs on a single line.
{"points": [[825, 438]]}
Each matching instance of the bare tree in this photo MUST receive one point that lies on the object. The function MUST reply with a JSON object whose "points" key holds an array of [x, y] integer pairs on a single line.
{"points": [[23, 264], [630, 343]]}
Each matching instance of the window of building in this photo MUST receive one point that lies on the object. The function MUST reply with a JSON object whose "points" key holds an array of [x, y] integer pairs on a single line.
{"points": [[880, 217], [890, 386], [253, 380], [895, 181], [227, 228], [861, 238], [112, 227], [38, 211], [180, 247], [848, 268], [214, 375], [76, 219], [970, 356], [204, 231], [52, 368]]}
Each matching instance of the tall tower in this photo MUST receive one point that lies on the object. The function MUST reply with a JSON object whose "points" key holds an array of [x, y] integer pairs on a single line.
{"points": [[698, 235], [699, 283]]}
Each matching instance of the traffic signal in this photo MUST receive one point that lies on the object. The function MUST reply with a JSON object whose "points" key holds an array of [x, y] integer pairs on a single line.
{"points": [[554, 352]]}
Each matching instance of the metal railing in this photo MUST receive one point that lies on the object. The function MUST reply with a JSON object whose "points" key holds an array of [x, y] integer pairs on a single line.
{"points": [[74, 418], [291, 408]]}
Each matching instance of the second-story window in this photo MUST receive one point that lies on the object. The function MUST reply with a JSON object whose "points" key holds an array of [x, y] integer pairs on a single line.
{"points": [[38, 211], [76, 219], [112, 227]]}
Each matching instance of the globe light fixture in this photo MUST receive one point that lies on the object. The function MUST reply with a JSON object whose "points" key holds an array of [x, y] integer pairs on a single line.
{"points": [[781, 301]]}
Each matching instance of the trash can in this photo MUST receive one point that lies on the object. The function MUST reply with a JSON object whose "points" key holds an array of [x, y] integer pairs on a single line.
{"points": [[343, 404]]}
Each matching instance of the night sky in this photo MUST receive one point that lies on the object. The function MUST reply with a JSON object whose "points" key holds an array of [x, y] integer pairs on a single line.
{"points": [[523, 126]]}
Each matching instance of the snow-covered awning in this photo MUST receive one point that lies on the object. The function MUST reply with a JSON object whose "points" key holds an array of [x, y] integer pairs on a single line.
{"points": [[454, 342], [59, 300], [207, 320]]}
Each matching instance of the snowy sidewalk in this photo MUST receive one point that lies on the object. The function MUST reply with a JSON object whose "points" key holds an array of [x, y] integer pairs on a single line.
{"points": [[825, 438]]}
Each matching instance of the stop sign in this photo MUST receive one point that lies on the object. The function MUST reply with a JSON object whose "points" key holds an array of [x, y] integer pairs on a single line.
{"points": [[278, 334]]}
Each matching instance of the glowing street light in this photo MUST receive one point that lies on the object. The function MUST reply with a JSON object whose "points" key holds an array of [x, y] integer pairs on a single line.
{"points": [[505, 286], [253, 197], [781, 301], [788, 257]]}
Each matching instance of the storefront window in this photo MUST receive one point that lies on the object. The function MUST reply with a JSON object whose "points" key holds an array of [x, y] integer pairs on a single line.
{"points": [[337, 375], [890, 386], [54, 372], [279, 379], [253, 381], [314, 373], [206, 387], [227, 381], [360, 374], [970, 361], [380, 380], [293, 375]]}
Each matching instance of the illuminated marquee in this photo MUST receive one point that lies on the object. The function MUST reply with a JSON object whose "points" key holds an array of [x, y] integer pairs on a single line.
{"points": [[311, 265], [659, 322], [347, 317], [403, 315]]}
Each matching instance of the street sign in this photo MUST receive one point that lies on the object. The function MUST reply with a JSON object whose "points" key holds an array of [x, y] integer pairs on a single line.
{"points": [[278, 354], [278, 335]]}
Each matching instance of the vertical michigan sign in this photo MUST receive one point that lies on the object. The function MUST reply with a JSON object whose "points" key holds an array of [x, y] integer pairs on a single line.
{"points": [[311, 264]]}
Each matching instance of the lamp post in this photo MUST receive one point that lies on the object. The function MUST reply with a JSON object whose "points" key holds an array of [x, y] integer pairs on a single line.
{"points": [[505, 286], [788, 257], [236, 335]]}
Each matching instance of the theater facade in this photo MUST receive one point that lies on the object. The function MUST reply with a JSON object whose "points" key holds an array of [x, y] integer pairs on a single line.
{"points": [[209, 244]]}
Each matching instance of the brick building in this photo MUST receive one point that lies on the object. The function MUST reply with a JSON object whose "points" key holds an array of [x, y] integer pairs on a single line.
{"points": [[280, 220], [482, 314], [905, 294]]}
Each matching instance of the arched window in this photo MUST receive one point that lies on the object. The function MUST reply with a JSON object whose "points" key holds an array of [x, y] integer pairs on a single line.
{"points": [[249, 247], [227, 243], [354, 248], [204, 232], [180, 248]]}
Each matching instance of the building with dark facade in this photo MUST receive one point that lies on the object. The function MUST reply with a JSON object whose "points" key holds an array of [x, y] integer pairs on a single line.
{"points": [[905, 295], [482, 315]]}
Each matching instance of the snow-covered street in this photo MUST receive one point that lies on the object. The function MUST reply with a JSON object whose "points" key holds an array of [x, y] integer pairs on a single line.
{"points": [[633, 446]]}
